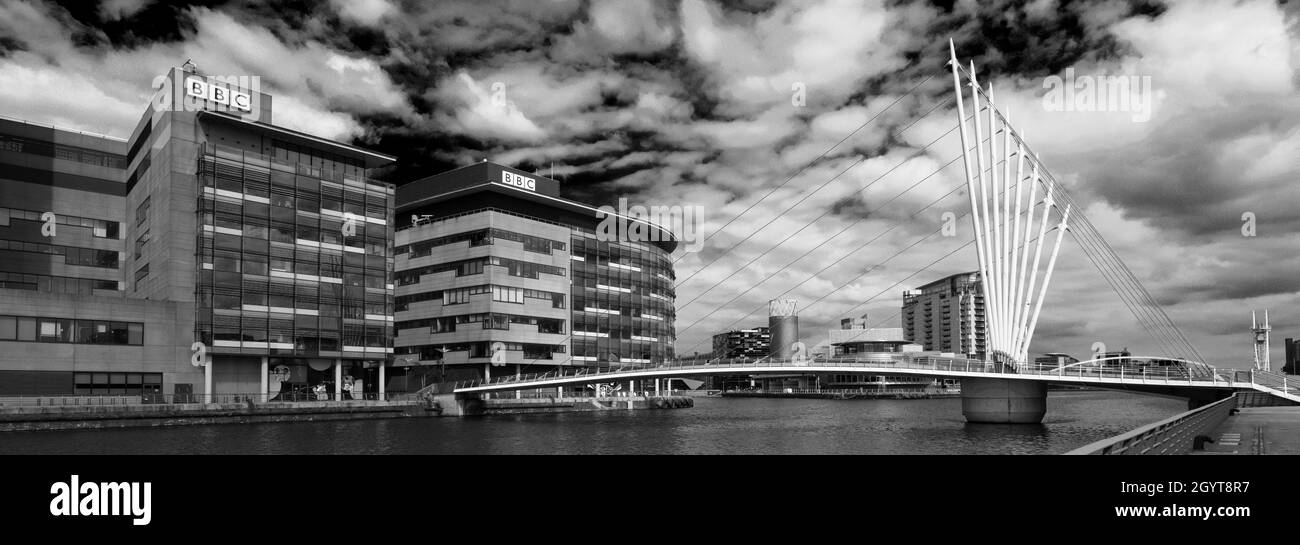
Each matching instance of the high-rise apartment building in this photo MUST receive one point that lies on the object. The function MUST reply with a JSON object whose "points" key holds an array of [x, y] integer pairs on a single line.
{"points": [[947, 315], [743, 343]]}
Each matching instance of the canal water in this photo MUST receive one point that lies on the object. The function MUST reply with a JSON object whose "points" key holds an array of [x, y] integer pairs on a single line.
{"points": [[713, 426]]}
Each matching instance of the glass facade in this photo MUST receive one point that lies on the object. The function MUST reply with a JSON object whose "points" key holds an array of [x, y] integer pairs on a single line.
{"points": [[622, 301], [295, 255]]}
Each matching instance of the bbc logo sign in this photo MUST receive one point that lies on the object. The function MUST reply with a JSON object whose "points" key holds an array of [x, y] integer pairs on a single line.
{"points": [[517, 180], [220, 94]]}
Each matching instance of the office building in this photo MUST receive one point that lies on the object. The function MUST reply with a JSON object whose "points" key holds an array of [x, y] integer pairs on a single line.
{"points": [[496, 273], [742, 343], [947, 315], [210, 224]]}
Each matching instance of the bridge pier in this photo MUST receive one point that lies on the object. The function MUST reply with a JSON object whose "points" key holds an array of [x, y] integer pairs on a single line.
{"points": [[1003, 401], [459, 404]]}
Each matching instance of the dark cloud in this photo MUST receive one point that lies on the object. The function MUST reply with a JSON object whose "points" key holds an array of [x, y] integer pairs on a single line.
{"points": [[690, 102]]}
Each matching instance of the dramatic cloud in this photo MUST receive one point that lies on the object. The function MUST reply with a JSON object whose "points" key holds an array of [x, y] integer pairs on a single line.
{"points": [[104, 89], [793, 124]]}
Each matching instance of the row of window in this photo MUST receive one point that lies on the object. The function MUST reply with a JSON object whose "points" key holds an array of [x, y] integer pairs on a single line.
{"points": [[483, 349], [482, 237], [612, 350], [117, 383], [489, 320], [523, 269], [288, 226], [303, 341], [72, 255], [504, 294], [100, 228], [61, 151], [330, 165], [54, 284], [67, 330], [266, 265], [347, 309], [278, 185], [261, 246]]}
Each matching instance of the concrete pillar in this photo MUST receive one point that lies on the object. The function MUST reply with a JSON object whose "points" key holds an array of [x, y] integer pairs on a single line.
{"points": [[1003, 401], [656, 387], [519, 394], [266, 386], [208, 394], [338, 379], [381, 381]]}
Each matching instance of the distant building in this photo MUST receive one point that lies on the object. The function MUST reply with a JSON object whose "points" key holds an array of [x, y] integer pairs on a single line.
{"points": [[742, 343], [847, 342], [1055, 358], [1121, 358], [1292, 356], [947, 315], [855, 340]]}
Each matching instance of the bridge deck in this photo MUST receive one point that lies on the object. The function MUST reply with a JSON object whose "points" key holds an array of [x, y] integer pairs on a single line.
{"points": [[1173, 378]]}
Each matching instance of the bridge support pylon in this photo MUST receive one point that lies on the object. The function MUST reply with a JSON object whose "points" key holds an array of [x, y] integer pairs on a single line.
{"points": [[1003, 401]]}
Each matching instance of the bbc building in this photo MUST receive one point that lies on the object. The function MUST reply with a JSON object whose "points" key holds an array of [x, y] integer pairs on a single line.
{"points": [[213, 252], [495, 273]]}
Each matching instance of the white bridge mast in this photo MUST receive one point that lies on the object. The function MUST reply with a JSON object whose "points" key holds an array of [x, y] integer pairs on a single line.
{"points": [[1002, 232]]}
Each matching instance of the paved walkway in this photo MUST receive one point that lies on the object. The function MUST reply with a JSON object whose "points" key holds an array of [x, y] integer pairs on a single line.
{"points": [[1258, 430]]}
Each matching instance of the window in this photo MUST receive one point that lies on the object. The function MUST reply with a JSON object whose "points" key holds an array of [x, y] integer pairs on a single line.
{"points": [[26, 329], [139, 244], [142, 211], [66, 330], [497, 321], [53, 330], [225, 263], [255, 264], [507, 294], [282, 234], [141, 274], [255, 231], [470, 267]]}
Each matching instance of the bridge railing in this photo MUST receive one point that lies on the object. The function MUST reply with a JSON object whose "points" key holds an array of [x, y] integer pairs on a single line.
{"points": [[1129, 371], [1175, 435]]}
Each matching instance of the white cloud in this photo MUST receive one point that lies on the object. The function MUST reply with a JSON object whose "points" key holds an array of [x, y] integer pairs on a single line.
{"points": [[293, 114], [364, 12], [485, 111], [828, 46], [121, 9], [619, 27]]}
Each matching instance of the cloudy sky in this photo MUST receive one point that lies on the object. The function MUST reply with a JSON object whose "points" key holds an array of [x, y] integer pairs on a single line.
{"points": [[719, 104]]}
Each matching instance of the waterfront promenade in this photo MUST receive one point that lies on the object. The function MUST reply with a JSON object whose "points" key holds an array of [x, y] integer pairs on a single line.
{"points": [[1257, 430]]}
